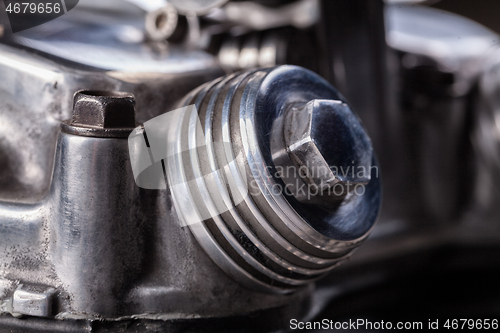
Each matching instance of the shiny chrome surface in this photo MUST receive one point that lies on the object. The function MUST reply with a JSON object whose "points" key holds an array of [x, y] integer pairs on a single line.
{"points": [[255, 234], [300, 14]]}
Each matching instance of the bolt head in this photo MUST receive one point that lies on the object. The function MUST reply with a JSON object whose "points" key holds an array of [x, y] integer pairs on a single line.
{"points": [[162, 23], [328, 143], [103, 109]]}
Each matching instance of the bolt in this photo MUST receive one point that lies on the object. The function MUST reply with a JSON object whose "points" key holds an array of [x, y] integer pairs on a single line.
{"points": [[328, 144], [101, 114], [103, 109], [165, 23]]}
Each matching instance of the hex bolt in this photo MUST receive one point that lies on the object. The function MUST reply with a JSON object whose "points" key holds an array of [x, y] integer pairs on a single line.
{"points": [[101, 114], [327, 143], [165, 23]]}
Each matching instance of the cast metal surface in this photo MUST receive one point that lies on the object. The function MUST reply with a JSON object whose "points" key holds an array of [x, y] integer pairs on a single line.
{"points": [[92, 232], [83, 248], [92, 239]]}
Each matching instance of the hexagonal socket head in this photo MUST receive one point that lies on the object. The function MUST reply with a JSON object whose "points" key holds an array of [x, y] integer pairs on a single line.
{"points": [[327, 143], [103, 109]]}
